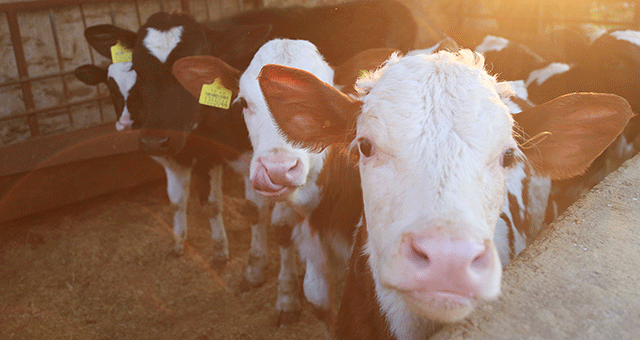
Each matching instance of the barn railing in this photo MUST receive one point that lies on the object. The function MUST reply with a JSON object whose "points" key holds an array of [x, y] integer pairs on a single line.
{"points": [[23, 114], [44, 169]]}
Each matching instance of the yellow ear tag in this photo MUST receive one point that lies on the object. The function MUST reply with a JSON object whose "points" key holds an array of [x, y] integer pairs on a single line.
{"points": [[215, 95], [363, 73], [120, 54]]}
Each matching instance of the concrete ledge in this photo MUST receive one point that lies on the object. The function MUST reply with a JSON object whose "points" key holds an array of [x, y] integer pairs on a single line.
{"points": [[53, 171], [580, 279]]}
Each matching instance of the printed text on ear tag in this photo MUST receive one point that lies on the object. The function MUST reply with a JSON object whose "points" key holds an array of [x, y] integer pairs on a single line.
{"points": [[215, 95], [120, 54]]}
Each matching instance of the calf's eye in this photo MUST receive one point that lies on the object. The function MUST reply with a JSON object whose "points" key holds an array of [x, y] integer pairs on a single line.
{"points": [[365, 146], [508, 158]]}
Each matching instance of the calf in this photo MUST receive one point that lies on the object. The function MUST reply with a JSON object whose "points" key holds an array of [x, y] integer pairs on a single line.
{"points": [[305, 191], [319, 186], [199, 140], [611, 64], [591, 71], [119, 77], [437, 150], [153, 91], [509, 60]]}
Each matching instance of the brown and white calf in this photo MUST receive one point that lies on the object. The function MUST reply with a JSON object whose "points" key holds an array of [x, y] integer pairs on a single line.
{"points": [[283, 173], [313, 191], [437, 149]]}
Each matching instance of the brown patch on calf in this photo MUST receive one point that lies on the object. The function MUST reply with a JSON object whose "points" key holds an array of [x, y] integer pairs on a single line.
{"points": [[340, 207], [283, 235], [302, 104], [360, 316]]}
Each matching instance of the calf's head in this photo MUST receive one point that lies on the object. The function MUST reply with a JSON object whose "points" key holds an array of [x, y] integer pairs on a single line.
{"points": [[436, 149], [168, 112], [119, 77], [279, 169]]}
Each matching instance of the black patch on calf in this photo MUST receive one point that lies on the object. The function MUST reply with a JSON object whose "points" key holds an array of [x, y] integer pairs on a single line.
{"points": [[116, 95], [91, 74]]}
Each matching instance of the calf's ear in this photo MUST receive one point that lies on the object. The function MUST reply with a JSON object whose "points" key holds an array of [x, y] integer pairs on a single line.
{"points": [[193, 72], [91, 74], [308, 111], [102, 37], [575, 128]]}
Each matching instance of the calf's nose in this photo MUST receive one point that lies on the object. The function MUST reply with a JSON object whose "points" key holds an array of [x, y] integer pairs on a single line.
{"points": [[283, 169], [457, 265]]}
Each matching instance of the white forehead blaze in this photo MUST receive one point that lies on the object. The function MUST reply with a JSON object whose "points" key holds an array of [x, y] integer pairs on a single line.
{"points": [[439, 129], [161, 43], [123, 75], [628, 35], [541, 75], [492, 43], [125, 78]]}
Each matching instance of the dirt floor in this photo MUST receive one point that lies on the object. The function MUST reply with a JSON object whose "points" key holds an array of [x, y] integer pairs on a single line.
{"points": [[102, 269]]}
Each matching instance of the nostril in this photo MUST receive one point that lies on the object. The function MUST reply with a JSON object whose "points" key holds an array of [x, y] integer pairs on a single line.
{"points": [[419, 256], [483, 259], [164, 142], [296, 169]]}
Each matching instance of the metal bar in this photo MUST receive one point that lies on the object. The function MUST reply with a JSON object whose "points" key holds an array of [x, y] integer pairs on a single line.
{"points": [[93, 61], [33, 113], [56, 41], [18, 50], [30, 79], [137, 6], [29, 6], [636, 15], [113, 17]]}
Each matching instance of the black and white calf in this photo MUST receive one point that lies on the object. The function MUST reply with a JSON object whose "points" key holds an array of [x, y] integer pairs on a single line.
{"points": [[509, 60], [177, 132], [119, 77], [437, 150]]}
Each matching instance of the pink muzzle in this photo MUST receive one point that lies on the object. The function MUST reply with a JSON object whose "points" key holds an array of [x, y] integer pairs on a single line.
{"points": [[277, 175]]}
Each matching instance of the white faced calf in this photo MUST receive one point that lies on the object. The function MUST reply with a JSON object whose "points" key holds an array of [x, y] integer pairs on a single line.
{"points": [[285, 173], [437, 148]]}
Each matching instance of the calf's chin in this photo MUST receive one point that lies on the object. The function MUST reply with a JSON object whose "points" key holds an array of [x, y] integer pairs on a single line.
{"points": [[155, 142]]}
